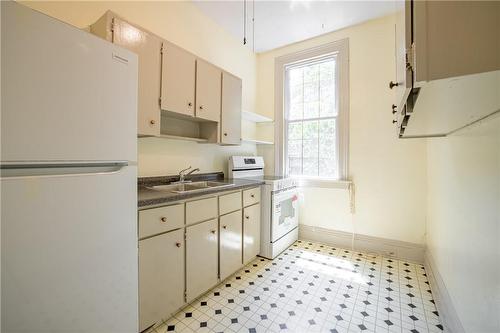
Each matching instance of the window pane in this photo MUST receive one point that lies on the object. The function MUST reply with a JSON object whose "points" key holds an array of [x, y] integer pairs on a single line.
{"points": [[310, 166], [327, 89], [295, 131], [311, 110], [294, 148], [310, 129], [294, 166]]}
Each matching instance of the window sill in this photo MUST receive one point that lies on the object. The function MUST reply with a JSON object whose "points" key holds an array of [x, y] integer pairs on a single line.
{"points": [[323, 183]]}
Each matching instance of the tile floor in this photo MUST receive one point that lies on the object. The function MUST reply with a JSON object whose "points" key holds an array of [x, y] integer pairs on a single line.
{"points": [[315, 288]]}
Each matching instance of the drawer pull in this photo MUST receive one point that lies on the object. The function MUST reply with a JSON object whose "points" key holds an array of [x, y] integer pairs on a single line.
{"points": [[178, 244], [247, 217], [163, 219], [252, 195], [224, 226], [213, 231]]}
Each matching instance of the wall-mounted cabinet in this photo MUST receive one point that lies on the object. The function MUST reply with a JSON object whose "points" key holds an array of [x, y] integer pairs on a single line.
{"points": [[148, 48], [178, 73], [231, 110], [180, 95], [447, 65]]}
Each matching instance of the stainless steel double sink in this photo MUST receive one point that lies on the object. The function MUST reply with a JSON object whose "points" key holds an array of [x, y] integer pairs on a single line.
{"points": [[189, 187]]}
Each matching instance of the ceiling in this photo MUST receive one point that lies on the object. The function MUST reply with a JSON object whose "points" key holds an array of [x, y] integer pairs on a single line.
{"points": [[279, 23]]}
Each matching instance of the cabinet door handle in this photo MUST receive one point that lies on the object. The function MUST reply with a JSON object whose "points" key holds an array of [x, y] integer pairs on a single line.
{"points": [[225, 134], [252, 195], [152, 122], [190, 104], [393, 109], [163, 219], [393, 84], [213, 231], [178, 244], [394, 121], [201, 107], [224, 226], [247, 217]]}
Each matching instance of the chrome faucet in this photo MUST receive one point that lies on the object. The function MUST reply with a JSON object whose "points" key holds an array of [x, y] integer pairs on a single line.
{"points": [[183, 174]]}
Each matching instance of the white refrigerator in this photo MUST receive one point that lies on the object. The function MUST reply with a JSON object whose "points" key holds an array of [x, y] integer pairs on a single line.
{"points": [[68, 178]]}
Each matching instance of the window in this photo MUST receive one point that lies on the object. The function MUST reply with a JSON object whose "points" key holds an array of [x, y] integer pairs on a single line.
{"points": [[312, 134]]}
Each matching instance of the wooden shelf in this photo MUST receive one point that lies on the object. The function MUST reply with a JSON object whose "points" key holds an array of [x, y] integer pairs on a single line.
{"points": [[255, 117], [185, 138], [257, 142]]}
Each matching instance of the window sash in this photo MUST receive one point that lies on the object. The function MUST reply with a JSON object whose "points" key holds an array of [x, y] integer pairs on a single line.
{"points": [[301, 64]]}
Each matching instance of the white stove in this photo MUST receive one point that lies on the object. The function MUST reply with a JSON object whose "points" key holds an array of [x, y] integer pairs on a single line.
{"points": [[279, 200]]}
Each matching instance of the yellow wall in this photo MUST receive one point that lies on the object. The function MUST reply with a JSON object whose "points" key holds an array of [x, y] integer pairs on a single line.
{"points": [[182, 23], [389, 173], [463, 224]]}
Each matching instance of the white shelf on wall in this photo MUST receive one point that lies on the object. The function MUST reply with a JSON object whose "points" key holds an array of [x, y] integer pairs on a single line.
{"points": [[257, 142], [185, 138], [255, 117]]}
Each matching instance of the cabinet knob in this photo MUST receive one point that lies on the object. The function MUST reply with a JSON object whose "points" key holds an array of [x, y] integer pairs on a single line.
{"points": [[247, 217], [393, 109], [152, 122], [224, 226], [252, 195], [213, 231], [190, 104], [163, 219], [394, 121], [201, 107], [225, 134], [178, 244], [393, 84]]}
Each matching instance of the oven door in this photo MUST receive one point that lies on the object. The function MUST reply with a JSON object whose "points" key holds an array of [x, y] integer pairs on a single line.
{"points": [[285, 213]]}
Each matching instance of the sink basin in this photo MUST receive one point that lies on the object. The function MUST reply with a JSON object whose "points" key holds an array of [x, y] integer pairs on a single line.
{"points": [[190, 187]]}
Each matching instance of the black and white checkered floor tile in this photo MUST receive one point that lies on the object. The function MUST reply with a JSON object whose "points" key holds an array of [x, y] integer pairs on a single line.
{"points": [[315, 288]]}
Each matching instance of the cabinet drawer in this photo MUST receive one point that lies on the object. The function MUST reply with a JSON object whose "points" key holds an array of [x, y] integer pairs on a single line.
{"points": [[201, 210], [229, 203], [251, 196], [156, 220]]}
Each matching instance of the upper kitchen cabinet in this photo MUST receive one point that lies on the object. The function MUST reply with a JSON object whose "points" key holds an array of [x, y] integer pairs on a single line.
{"points": [[148, 48], [208, 91], [178, 74], [447, 65], [231, 110]]}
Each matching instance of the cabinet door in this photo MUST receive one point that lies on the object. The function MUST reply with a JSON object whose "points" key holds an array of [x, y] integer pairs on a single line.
{"points": [[201, 258], [251, 232], [148, 49], [208, 91], [402, 49], [231, 109], [178, 80], [230, 243], [161, 277]]}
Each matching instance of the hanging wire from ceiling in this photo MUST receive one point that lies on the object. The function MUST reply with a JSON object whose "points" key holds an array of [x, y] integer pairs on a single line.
{"points": [[244, 22], [253, 26]]}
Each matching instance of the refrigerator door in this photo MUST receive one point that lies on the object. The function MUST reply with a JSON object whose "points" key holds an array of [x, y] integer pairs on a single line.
{"points": [[68, 95], [69, 249]]}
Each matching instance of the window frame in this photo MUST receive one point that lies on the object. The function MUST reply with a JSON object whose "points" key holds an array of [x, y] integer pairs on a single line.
{"points": [[340, 49]]}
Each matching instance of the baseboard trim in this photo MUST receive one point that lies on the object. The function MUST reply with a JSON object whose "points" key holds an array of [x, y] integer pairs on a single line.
{"points": [[382, 246], [447, 313]]}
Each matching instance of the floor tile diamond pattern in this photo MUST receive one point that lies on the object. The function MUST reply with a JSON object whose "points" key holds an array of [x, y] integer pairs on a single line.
{"points": [[313, 287]]}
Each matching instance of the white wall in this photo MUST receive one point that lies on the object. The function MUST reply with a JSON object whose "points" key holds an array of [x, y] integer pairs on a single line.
{"points": [[182, 23], [463, 227], [389, 173]]}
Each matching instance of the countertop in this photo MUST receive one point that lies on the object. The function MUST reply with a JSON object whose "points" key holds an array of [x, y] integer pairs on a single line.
{"points": [[149, 197]]}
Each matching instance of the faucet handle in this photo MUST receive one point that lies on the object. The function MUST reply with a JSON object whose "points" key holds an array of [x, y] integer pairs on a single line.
{"points": [[184, 170]]}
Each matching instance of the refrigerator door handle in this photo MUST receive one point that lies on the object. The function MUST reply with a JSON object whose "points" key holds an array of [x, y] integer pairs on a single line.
{"points": [[51, 169]]}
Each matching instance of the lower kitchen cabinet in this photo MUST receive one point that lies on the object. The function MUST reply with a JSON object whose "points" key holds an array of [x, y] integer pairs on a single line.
{"points": [[230, 243], [161, 277], [251, 232], [201, 258]]}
